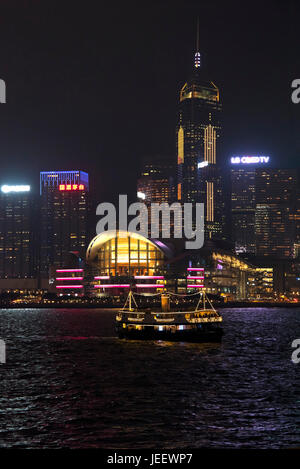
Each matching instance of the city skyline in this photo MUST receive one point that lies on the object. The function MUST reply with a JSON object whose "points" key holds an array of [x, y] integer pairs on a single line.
{"points": [[149, 228], [195, 169], [57, 112]]}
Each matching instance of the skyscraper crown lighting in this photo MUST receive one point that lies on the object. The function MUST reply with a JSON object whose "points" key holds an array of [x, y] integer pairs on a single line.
{"points": [[199, 174], [56, 178]]}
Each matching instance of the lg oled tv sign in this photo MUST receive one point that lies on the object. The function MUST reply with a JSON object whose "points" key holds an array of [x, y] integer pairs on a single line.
{"points": [[250, 159]]}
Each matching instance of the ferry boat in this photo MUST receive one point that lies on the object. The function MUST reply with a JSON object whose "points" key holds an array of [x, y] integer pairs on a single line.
{"points": [[201, 324]]}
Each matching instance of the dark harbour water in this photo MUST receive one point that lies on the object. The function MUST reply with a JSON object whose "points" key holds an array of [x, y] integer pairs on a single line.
{"points": [[70, 383]]}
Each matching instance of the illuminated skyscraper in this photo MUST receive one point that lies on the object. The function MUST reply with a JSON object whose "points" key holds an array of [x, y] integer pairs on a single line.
{"points": [[156, 182], [297, 220], [276, 206], [156, 185], [263, 207], [64, 217], [243, 208], [198, 152], [18, 226]]}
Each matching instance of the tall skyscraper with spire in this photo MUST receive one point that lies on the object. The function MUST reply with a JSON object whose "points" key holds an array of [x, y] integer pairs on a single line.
{"points": [[198, 142]]}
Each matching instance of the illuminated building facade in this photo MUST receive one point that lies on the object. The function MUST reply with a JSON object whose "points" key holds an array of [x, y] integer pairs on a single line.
{"points": [[297, 214], [261, 283], [156, 185], [122, 259], [264, 211], [297, 220], [276, 201], [198, 149], [156, 182], [123, 253], [64, 215], [243, 209], [221, 272], [18, 224]]}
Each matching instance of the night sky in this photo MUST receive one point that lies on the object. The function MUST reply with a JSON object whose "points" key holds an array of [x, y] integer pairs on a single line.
{"points": [[94, 85]]}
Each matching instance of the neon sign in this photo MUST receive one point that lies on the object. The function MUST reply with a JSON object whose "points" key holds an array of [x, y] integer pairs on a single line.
{"points": [[249, 159], [69, 286], [71, 187], [68, 278], [149, 285], [114, 285], [6, 189], [69, 270], [203, 164]]}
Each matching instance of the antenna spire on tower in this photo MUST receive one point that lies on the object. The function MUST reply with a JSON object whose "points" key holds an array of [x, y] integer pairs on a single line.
{"points": [[197, 54]]}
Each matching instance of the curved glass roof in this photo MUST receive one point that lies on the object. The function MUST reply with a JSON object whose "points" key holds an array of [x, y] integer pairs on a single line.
{"points": [[105, 236]]}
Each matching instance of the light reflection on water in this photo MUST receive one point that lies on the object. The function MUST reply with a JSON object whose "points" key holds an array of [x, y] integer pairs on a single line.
{"points": [[69, 382]]}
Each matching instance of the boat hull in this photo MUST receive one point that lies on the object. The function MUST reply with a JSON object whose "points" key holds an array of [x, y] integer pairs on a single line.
{"points": [[195, 333]]}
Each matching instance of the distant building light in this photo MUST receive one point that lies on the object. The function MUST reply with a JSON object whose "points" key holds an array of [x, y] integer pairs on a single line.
{"points": [[203, 164], [153, 277], [249, 159], [141, 195], [7, 188]]}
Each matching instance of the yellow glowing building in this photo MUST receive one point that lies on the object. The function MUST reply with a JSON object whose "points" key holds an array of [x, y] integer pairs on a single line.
{"points": [[122, 253]]}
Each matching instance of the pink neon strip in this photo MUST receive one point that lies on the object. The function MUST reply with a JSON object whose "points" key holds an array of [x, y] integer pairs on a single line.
{"points": [[102, 277], [69, 286], [154, 277], [194, 269], [69, 278], [123, 285], [195, 286], [69, 270], [149, 285], [195, 278]]}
